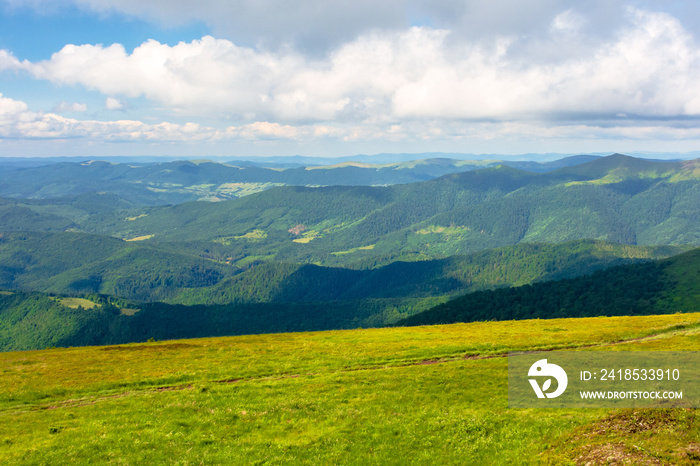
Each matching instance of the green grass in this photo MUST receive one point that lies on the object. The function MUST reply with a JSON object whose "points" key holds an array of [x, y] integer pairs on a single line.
{"points": [[424, 395], [75, 303], [636, 436]]}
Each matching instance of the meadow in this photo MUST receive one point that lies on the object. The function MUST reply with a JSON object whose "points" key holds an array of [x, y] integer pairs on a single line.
{"points": [[422, 395]]}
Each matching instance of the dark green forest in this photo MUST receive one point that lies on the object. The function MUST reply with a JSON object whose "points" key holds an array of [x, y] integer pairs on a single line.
{"points": [[660, 287], [77, 263], [36, 320]]}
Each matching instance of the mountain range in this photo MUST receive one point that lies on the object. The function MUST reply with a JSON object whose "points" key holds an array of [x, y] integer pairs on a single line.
{"points": [[179, 181], [616, 198], [293, 258]]}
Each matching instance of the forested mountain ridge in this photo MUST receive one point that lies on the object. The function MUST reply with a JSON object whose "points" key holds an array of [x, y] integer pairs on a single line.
{"points": [[35, 320], [77, 263], [616, 198], [507, 266], [174, 182], [659, 287]]}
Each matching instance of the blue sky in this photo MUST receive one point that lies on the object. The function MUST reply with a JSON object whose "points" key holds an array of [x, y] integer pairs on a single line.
{"points": [[243, 78], [34, 35]]}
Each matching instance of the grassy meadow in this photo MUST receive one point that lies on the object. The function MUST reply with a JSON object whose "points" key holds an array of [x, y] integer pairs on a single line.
{"points": [[425, 395]]}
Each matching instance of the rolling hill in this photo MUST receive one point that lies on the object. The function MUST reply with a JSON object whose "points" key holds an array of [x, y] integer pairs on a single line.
{"points": [[75, 263], [507, 266], [616, 198], [346, 299], [660, 287], [426, 395], [179, 181]]}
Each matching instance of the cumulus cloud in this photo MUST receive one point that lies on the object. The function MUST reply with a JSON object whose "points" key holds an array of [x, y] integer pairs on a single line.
{"points": [[639, 80], [17, 121], [8, 61], [10, 108], [650, 69]]}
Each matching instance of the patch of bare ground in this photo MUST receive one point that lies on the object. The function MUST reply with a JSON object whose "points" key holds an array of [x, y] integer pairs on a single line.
{"points": [[637, 437], [613, 453], [692, 452]]}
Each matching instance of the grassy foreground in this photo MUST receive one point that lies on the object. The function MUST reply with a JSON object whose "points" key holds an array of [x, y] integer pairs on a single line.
{"points": [[427, 395]]}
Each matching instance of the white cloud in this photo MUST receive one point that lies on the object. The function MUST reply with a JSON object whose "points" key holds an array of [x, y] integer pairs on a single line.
{"points": [[421, 83], [10, 108], [113, 104], [8, 61], [17, 121], [651, 69], [66, 107]]}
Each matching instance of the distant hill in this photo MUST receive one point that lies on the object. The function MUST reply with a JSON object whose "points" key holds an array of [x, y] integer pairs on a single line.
{"points": [[617, 198], [75, 263], [660, 287], [174, 182]]}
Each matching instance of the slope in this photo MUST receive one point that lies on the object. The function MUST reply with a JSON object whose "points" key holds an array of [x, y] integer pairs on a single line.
{"points": [[294, 298], [83, 263], [75, 263], [666, 286], [508, 266], [384, 396]]}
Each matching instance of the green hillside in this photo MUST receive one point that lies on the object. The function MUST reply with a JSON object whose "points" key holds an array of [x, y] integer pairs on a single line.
{"points": [[508, 266], [72, 263], [271, 300], [666, 286], [31, 320], [181, 181], [35, 320], [419, 395], [616, 198]]}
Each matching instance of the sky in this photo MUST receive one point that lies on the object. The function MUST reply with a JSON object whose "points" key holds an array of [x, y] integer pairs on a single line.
{"points": [[234, 78]]}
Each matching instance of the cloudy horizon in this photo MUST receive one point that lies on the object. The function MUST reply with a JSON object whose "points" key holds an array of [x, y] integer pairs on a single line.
{"points": [[334, 79]]}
